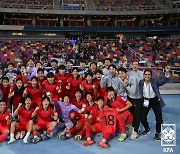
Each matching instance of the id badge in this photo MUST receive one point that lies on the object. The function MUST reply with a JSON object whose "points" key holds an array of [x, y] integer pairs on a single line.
{"points": [[146, 103]]}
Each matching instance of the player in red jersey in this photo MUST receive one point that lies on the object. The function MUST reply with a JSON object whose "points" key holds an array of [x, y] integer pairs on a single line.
{"points": [[78, 101], [73, 82], [89, 85], [62, 78], [51, 87], [5, 120], [5, 88], [41, 76], [25, 123], [109, 125], [44, 116], [87, 119], [23, 75], [35, 92], [124, 116], [97, 127], [16, 93]]}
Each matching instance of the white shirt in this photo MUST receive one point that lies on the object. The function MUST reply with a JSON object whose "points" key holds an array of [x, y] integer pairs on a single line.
{"points": [[148, 91]]}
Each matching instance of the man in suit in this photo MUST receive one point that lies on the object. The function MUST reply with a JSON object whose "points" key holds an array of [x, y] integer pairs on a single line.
{"points": [[149, 87]]}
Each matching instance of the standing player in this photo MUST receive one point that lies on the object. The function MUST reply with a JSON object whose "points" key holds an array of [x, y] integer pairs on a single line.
{"points": [[25, 122], [5, 88], [4, 120], [44, 116], [35, 92], [73, 82], [62, 78]]}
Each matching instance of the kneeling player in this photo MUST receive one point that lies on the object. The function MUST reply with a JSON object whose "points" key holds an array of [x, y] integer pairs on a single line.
{"points": [[44, 123], [97, 127], [4, 120], [25, 120]]}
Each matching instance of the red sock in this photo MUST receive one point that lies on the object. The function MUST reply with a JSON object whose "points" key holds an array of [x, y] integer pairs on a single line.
{"points": [[49, 130], [88, 132], [106, 136], [3, 137], [73, 130], [82, 132], [121, 124]]}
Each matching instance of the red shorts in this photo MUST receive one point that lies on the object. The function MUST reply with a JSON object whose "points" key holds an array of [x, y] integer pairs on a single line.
{"points": [[42, 126], [98, 127], [3, 128], [22, 127]]}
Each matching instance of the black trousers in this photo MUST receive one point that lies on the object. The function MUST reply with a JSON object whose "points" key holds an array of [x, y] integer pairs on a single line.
{"points": [[155, 104], [135, 110]]}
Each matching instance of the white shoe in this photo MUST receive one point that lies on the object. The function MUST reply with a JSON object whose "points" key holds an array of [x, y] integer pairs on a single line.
{"points": [[134, 135], [11, 141], [25, 141]]}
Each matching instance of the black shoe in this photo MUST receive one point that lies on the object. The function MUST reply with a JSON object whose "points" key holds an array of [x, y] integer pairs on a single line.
{"points": [[146, 132], [157, 137]]}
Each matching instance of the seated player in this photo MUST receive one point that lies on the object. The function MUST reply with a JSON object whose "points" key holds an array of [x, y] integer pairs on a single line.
{"points": [[44, 116], [65, 109], [25, 122], [89, 107], [97, 127], [5, 120], [124, 116]]}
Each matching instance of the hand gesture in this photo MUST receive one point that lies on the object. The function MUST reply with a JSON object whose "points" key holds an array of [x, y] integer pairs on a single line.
{"points": [[37, 108]]}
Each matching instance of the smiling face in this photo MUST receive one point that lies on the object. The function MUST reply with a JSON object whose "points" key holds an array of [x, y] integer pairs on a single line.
{"points": [[66, 100], [2, 106], [5, 83], [100, 103], [45, 103], [28, 102], [112, 70], [19, 84], [111, 94], [89, 97], [78, 95], [135, 66], [147, 76], [122, 75], [34, 83]]}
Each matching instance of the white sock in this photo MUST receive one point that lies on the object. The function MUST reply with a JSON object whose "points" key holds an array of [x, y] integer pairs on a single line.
{"points": [[88, 138], [104, 140], [11, 136], [27, 135]]}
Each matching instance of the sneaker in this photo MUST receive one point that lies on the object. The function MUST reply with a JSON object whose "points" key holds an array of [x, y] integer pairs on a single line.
{"points": [[68, 133], [43, 135], [87, 142], [25, 141], [129, 128], [61, 136], [11, 141], [49, 135], [36, 139], [146, 132], [133, 136], [102, 144], [157, 137], [122, 137], [77, 137]]}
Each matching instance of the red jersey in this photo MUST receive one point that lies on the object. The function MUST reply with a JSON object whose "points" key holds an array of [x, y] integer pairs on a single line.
{"points": [[89, 109], [88, 87], [24, 115], [101, 91], [22, 77], [36, 95], [74, 84], [41, 81], [44, 116], [77, 104], [3, 121], [120, 103], [5, 92], [17, 97], [109, 121], [51, 89], [63, 82], [97, 113]]}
